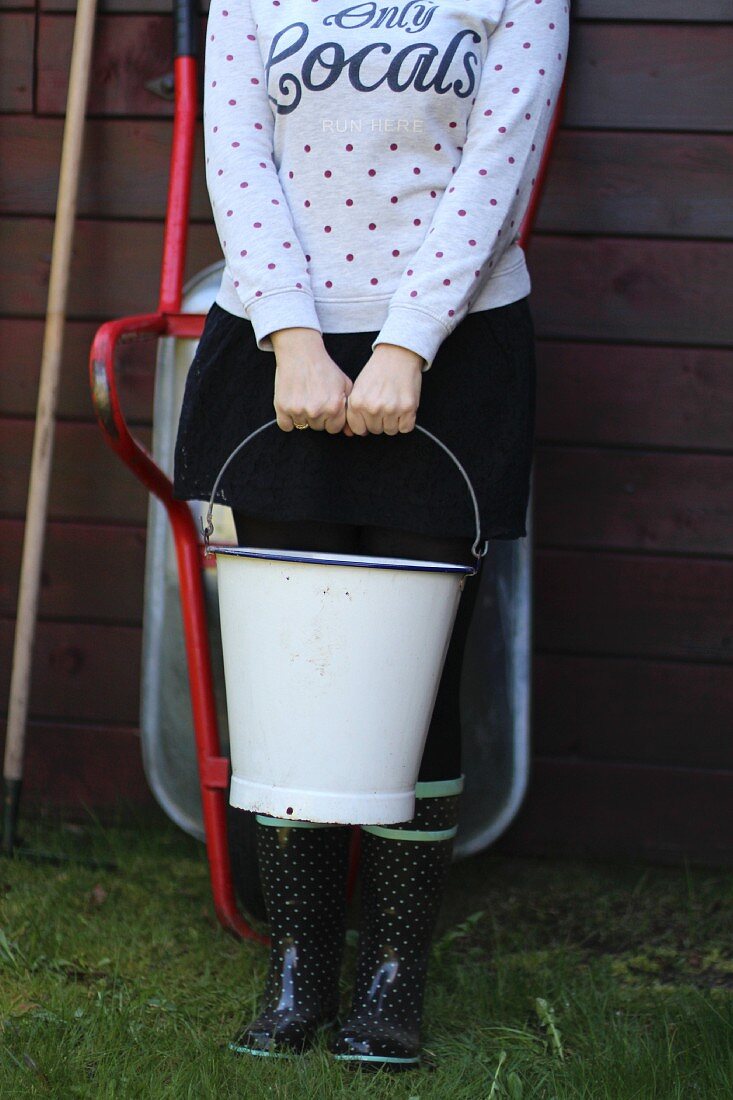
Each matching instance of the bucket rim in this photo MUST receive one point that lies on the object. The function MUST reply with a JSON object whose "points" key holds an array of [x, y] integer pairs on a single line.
{"points": [[323, 557]]}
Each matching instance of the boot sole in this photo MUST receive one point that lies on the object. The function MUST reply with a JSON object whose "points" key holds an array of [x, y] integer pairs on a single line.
{"points": [[262, 1053], [238, 1049], [376, 1061]]}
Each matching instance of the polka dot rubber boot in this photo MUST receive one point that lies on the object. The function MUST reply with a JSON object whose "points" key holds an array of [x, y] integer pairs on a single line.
{"points": [[403, 869], [303, 868]]}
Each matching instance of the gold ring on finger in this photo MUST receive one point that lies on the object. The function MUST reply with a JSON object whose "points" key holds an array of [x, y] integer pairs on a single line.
{"points": [[300, 426]]}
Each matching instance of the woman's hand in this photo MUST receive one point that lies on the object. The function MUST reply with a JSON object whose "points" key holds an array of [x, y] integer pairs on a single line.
{"points": [[386, 393], [310, 388]]}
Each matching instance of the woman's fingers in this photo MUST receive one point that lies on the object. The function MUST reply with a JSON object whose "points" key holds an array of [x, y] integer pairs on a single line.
{"points": [[386, 394], [310, 389], [334, 418], [330, 418], [356, 421], [391, 423], [313, 390], [371, 419]]}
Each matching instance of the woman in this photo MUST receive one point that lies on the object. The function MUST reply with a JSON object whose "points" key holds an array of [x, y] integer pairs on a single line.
{"points": [[368, 168]]}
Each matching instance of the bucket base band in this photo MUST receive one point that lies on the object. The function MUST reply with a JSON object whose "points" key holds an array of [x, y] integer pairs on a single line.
{"points": [[327, 807], [279, 822]]}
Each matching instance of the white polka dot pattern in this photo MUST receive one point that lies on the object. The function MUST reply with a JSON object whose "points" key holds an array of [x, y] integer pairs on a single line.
{"points": [[369, 168], [403, 883], [303, 873]]}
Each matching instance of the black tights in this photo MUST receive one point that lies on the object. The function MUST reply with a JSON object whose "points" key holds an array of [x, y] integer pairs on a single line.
{"points": [[442, 755]]}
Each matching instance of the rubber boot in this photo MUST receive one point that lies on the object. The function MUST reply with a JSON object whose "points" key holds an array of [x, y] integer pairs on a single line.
{"points": [[404, 869], [303, 867]]}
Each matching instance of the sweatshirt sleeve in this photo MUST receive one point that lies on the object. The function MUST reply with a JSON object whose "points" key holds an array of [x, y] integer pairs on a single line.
{"points": [[478, 216], [251, 214]]}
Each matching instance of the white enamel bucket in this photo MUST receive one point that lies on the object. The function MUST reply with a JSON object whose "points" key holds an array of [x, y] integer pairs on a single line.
{"points": [[331, 665]]}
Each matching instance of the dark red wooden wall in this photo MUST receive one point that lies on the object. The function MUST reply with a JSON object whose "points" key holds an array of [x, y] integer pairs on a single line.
{"points": [[631, 263]]}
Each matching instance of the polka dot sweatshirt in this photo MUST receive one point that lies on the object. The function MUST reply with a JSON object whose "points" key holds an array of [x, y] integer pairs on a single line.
{"points": [[369, 164]]}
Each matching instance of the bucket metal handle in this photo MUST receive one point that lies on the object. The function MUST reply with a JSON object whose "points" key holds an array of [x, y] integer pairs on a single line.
{"points": [[208, 530]]}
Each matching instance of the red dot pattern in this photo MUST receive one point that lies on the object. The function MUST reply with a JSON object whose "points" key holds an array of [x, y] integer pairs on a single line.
{"points": [[386, 198]]}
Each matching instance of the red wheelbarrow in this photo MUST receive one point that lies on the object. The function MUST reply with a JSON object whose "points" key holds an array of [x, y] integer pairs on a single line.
{"points": [[506, 604]]}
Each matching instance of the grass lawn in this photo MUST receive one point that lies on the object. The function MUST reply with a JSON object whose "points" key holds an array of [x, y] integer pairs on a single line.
{"points": [[548, 980]]}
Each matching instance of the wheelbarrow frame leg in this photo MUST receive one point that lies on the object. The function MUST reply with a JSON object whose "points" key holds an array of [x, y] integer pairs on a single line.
{"points": [[213, 768]]}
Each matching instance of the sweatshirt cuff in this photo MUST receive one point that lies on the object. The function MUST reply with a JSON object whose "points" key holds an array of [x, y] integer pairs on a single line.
{"points": [[414, 329], [281, 309]]}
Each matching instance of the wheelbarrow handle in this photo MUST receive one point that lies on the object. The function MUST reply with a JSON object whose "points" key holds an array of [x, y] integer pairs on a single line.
{"points": [[478, 553]]}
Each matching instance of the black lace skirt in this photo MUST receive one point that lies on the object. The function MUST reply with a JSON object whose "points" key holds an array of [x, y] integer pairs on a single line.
{"points": [[478, 398]]}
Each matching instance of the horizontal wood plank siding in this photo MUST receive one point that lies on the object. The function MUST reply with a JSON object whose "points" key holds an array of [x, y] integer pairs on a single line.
{"points": [[650, 77], [663, 10], [591, 497], [613, 289], [625, 290], [608, 182], [584, 808], [124, 168], [631, 265], [79, 561], [131, 51], [633, 710], [84, 765], [626, 395], [87, 672], [635, 500], [629, 605], [115, 265], [88, 482], [601, 182], [16, 61], [621, 76], [22, 342], [633, 10]]}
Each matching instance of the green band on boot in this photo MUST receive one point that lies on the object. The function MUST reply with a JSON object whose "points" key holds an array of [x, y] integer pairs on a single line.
{"points": [[410, 834], [439, 788]]}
